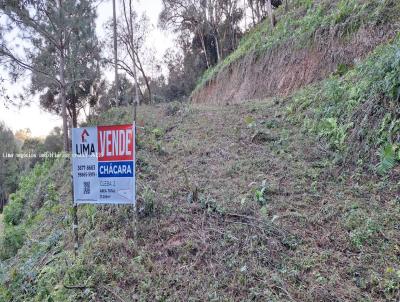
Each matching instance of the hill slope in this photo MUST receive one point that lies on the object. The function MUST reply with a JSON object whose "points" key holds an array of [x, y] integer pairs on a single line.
{"points": [[235, 204], [313, 40], [290, 198]]}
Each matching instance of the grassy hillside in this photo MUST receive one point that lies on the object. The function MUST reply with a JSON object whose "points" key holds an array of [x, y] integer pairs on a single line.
{"points": [[357, 110], [306, 21], [284, 199], [235, 204], [1, 224]]}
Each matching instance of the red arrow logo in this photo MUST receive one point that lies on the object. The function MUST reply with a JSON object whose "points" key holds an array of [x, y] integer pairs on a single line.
{"points": [[83, 135]]}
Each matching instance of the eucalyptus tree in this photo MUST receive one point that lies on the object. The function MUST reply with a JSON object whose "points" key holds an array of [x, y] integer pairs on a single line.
{"points": [[8, 163], [52, 34], [133, 31], [261, 8], [189, 19], [211, 24]]}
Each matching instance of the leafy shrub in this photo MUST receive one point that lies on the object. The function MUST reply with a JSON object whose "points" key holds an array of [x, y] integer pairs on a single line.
{"points": [[363, 234], [210, 204], [158, 133], [389, 156], [361, 227], [342, 69], [51, 195], [11, 241], [334, 133], [260, 194], [250, 121], [13, 211], [391, 283], [148, 196], [172, 108]]}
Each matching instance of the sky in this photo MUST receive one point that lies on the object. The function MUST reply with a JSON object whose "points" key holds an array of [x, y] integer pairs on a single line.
{"points": [[40, 122]]}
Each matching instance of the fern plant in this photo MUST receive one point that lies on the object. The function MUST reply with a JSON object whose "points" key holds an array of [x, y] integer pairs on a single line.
{"points": [[336, 134], [260, 194], [389, 157]]}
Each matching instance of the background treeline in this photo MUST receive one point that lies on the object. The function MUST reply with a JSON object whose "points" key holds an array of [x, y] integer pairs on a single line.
{"points": [[65, 60], [207, 32], [54, 45], [13, 165]]}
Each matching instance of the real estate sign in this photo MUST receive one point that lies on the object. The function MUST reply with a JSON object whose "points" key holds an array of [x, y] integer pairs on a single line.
{"points": [[103, 164]]}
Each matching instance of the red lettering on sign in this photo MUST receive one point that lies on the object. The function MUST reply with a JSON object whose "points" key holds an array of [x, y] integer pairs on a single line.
{"points": [[115, 143]]}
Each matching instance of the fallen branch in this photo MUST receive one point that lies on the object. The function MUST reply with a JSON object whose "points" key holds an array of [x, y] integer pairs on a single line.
{"points": [[83, 287], [222, 233], [286, 292], [240, 216], [112, 292], [77, 286]]}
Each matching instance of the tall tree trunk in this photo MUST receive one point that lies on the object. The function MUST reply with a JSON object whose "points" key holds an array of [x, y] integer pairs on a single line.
{"points": [[136, 98], [203, 44], [217, 46], [245, 15], [258, 14], [233, 33], [65, 125], [146, 79], [271, 13], [115, 52], [64, 101], [286, 5], [74, 114], [252, 12], [62, 88]]}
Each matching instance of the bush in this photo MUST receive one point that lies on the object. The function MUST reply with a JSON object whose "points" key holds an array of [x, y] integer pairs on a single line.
{"points": [[172, 109], [356, 113], [389, 157], [335, 134], [17, 216], [11, 241], [13, 211]]}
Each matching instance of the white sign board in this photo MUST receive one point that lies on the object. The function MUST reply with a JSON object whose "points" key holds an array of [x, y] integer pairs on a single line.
{"points": [[103, 164]]}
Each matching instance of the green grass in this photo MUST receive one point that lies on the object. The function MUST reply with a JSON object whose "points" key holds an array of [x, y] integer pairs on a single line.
{"points": [[289, 233], [1, 224], [23, 207], [302, 22], [37, 261], [356, 112]]}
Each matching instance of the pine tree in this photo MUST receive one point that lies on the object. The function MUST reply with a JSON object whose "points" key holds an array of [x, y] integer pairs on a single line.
{"points": [[56, 32]]}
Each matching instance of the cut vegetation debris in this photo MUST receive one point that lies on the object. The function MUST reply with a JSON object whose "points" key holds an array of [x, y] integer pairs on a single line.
{"points": [[294, 197], [272, 220]]}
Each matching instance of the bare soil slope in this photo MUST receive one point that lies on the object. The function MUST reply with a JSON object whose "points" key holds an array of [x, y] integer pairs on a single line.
{"points": [[284, 69]]}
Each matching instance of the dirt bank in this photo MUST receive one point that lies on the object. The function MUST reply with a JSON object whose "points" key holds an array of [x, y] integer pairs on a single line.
{"points": [[287, 68]]}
